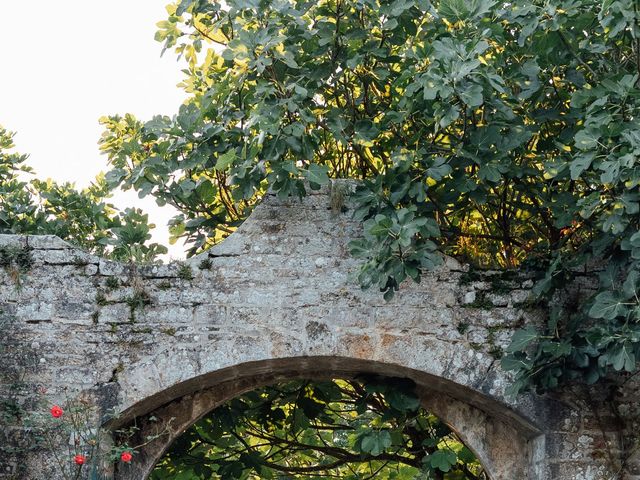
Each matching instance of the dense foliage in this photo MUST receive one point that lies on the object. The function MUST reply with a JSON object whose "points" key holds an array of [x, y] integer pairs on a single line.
{"points": [[503, 132], [353, 430], [506, 133], [83, 217]]}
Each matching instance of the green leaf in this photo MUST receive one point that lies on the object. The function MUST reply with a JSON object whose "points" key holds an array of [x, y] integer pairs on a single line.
{"points": [[472, 95], [375, 442], [515, 362], [490, 172], [522, 338], [317, 175], [454, 10], [185, 475], [402, 401], [580, 164], [631, 285], [586, 139], [611, 171], [442, 460], [365, 130], [183, 6], [225, 160], [466, 456], [623, 358], [438, 169], [607, 305]]}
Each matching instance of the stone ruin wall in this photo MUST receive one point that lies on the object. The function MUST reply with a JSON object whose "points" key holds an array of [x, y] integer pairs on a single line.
{"points": [[276, 301]]}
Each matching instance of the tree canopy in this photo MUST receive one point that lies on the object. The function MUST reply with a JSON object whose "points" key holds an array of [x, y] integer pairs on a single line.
{"points": [[353, 430], [83, 217], [504, 133]]}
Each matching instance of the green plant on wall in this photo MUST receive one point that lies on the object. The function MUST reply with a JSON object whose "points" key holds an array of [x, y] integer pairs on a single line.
{"points": [[16, 261], [72, 435]]}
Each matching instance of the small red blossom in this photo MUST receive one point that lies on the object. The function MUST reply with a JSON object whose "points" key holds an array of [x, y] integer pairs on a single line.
{"points": [[126, 457], [79, 459], [56, 411]]}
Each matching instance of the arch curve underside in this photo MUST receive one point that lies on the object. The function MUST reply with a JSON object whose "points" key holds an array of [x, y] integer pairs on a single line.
{"points": [[276, 300], [506, 443]]}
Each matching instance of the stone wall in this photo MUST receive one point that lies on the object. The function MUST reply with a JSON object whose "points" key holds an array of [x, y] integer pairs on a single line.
{"points": [[276, 301]]}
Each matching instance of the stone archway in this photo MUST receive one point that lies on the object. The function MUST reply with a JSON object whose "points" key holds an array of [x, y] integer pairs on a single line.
{"points": [[275, 300], [507, 444]]}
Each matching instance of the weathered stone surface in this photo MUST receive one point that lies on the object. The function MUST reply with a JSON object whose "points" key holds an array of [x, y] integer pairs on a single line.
{"points": [[275, 302]]}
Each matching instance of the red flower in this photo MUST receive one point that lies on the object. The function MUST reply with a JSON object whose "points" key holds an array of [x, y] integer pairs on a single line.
{"points": [[56, 411], [126, 457], [79, 459]]}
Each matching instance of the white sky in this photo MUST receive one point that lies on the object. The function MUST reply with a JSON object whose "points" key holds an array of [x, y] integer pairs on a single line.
{"points": [[66, 63]]}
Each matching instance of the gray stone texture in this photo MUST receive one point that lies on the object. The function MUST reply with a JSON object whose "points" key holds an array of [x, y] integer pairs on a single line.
{"points": [[276, 301]]}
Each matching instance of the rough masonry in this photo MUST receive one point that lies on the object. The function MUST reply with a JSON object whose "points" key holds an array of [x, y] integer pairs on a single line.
{"points": [[274, 301]]}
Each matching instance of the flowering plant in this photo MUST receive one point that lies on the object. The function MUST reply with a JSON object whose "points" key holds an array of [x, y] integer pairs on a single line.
{"points": [[72, 434], [56, 411]]}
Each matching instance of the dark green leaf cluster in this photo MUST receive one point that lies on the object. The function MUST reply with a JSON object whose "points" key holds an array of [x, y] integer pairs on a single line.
{"points": [[505, 133], [371, 428]]}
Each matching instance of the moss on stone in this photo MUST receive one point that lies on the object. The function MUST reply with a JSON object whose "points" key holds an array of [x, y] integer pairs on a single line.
{"points": [[496, 352], [338, 197], [145, 330], [112, 283], [185, 272], [101, 298], [472, 275], [481, 302], [205, 264], [138, 300]]}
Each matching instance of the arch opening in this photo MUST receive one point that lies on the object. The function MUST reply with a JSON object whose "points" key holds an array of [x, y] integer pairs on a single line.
{"points": [[363, 428], [503, 442]]}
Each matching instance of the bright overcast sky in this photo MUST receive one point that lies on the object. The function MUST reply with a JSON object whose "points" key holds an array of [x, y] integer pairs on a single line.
{"points": [[68, 62]]}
